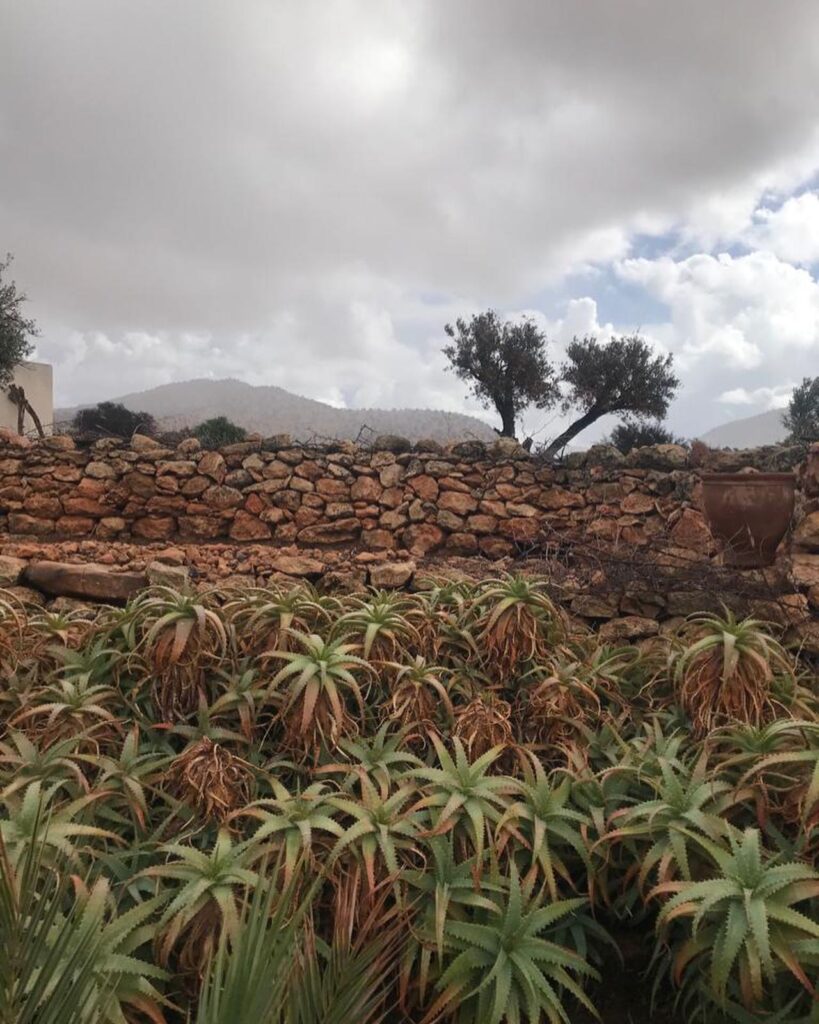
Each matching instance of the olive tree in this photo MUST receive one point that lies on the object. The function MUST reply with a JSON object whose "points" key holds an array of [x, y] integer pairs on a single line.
{"points": [[505, 363], [622, 376]]}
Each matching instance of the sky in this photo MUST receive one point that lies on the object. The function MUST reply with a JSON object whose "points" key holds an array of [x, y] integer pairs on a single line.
{"points": [[303, 192]]}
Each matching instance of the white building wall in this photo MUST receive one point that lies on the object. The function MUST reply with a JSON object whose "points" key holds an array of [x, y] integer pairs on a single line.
{"points": [[38, 382]]}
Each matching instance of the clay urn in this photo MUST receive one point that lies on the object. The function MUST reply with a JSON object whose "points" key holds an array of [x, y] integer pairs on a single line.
{"points": [[750, 513]]}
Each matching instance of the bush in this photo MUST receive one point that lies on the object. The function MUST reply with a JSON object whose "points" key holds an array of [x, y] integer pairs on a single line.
{"points": [[110, 419], [215, 432], [631, 434]]}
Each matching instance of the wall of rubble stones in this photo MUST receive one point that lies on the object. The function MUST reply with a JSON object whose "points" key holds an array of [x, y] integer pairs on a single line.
{"points": [[470, 499], [617, 536]]}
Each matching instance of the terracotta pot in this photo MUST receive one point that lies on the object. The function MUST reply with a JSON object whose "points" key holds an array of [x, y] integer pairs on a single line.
{"points": [[749, 512]]}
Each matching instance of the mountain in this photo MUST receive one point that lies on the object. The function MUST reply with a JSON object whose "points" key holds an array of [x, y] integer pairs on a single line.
{"points": [[749, 432], [271, 410]]}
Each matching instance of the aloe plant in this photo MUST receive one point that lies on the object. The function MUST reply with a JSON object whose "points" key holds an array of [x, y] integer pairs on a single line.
{"points": [[743, 925]]}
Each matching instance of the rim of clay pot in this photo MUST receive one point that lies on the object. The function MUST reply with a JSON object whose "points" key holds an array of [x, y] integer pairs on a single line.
{"points": [[748, 478]]}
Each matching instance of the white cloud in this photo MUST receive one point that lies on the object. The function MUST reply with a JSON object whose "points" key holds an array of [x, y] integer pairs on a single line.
{"points": [[770, 398], [791, 231]]}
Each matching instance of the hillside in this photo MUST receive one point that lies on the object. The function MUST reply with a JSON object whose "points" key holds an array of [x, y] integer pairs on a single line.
{"points": [[749, 432], [272, 410]]}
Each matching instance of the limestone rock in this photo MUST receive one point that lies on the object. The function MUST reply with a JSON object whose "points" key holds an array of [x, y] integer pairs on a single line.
{"points": [[161, 574], [339, 531], [806, 534], [94, 582], [299, 565], [248, 527], [421, 538], [391, 443], [154, 527], [392, 575], [142, 443], [691, 530], [594, 606], [630, 627], [11, 570]]}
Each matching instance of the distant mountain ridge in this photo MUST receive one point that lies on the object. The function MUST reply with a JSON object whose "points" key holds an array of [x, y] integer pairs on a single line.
{"points": [[267, 410], [748, 432]]}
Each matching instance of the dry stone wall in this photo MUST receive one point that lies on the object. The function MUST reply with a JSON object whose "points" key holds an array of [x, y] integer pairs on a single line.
{"points": [[469, 499]]}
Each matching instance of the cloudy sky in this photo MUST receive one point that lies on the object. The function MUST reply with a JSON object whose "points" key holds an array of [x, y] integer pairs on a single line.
{"points": [[302, 192]]}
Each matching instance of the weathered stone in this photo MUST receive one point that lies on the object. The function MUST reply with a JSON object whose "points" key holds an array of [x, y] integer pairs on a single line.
{"points": [[337, 532], [392, 575], [594, 606], [248, 527], [555, 498], [604, 455], [462, 543], [299, 565], [140, 483], [631, 627], [460, 504], [212, 464], [637, 503], [20, 523], [201, 527], [154, 527], [448, 520], [43, 505], [428, 444], [391, 443], [100, 471], [195, 486], [391, 475], [365, 488], [422, 538], [161, 574], [469, 450], [80, 506], [176, 467], [496, 547], [392, 497], [59, 443], [74, 526], [11, 570], [378, 540], [806, 534], [142, 443], [425, 486], [521, 509], [691, 531], [220, 497], [482, 524], [88, 581], [658, 456], [522, 531], [111, 526], [805, 569], [329, 487]]}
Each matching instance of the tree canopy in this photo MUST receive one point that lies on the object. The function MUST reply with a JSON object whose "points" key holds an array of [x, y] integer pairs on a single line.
{"points": [[110, 419], [802, 416], [507, 366], [623, 376], [505, 363], [16, 330]]}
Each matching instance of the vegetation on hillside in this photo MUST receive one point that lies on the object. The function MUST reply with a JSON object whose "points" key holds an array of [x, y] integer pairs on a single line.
{"points": [[289, 807], [631, 434], [110, 419], [217, 431]]}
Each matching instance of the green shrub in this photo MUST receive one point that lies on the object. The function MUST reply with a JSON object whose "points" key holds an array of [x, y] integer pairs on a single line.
{"points": [[218, 430]]}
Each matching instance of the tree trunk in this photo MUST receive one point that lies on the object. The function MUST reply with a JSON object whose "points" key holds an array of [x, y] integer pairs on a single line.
{"points": [[507, 415], [17, 395], [35, 418], [573, 430]]}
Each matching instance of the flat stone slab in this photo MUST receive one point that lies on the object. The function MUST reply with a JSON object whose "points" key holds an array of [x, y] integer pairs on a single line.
{"points": [[94, 582]]}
